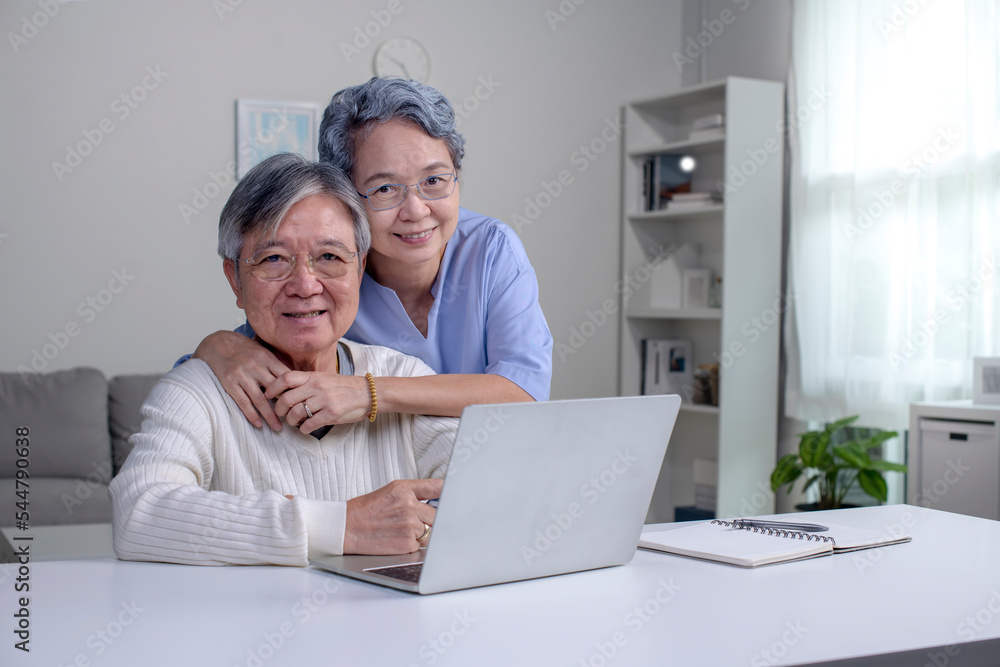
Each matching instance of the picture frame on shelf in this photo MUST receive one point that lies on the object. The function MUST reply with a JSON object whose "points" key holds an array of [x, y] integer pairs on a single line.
{"points": [[268, 127], [986, 380], [695, 288]]}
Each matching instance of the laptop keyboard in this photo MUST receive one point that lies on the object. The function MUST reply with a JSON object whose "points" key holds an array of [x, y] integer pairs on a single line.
{"points": [[409, 572]]}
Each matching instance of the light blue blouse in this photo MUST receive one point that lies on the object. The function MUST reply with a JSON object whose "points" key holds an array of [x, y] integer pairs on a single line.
{"points": [[485, 317]]}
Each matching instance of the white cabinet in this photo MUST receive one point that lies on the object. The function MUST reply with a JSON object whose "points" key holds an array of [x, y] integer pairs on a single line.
{"points": [[739, 240], [953, 456]]}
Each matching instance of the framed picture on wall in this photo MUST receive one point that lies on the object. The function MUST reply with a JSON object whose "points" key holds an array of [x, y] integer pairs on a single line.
{"points": [[265, 128]]}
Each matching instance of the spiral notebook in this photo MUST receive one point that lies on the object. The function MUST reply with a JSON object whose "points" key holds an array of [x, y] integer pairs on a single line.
{"points": [[737, 542]]}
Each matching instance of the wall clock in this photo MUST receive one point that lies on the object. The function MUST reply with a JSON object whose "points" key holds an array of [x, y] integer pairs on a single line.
{"points": [[402, 56]]}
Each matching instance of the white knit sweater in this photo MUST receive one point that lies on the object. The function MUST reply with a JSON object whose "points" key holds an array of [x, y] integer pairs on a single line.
{"points": [[204, 486]]}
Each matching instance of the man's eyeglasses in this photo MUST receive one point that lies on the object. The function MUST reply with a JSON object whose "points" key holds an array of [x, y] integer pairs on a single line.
{"points": [[391, 195], [278, 264]]}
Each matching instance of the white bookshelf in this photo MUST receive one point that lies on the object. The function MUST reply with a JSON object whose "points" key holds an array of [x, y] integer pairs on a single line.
{"points": [[739, 240]]}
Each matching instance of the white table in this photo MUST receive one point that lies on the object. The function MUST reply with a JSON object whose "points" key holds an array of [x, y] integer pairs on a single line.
{"points": [[71, 541], [937, 597]]}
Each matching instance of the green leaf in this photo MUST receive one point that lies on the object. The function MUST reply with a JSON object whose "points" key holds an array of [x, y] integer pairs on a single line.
{"points": [[839, 424], [812, 480], [853, 454], [786, 472], [888, 465], [811, 448], [880, 437], [873, 484]]}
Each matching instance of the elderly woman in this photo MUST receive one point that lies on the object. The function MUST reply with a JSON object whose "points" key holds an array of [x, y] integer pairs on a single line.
{"points": [[204, 486], [444, 284]]}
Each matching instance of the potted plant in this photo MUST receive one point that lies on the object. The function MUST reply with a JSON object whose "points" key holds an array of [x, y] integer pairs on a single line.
{"points": [[836, 467]]}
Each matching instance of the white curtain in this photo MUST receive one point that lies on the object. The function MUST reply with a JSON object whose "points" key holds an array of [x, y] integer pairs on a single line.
{"points": [[894, 242]]}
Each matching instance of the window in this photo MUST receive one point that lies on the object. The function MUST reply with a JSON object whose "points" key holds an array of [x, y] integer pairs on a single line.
{"points": [[894, 246]]}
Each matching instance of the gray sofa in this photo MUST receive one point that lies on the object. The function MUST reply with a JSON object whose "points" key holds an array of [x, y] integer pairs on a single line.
{"points": [[78, 424]]}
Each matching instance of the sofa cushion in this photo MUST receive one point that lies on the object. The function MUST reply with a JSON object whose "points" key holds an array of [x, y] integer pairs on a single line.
{"points": [[66, 413], [126, 394], [56, 501]]}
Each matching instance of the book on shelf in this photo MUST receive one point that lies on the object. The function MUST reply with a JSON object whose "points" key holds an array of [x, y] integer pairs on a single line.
{"points": [[763, 541], [706, 128], [667, 366], [707, 122], [663, 176], [692, 201]]}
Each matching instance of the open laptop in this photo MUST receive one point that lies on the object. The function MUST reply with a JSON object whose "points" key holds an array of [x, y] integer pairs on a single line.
{"points": [[534, 490]]}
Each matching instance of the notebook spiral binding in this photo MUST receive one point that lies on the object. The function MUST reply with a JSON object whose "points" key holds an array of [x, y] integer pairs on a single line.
{"points": [[778, 532]]}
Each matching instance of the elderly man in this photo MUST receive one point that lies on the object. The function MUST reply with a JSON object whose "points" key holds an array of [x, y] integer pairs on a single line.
{"points": [[202, 485]]}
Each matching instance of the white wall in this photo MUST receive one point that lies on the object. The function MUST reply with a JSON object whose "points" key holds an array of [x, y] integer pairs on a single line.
{"points": [[99, 267], [749, 38]]}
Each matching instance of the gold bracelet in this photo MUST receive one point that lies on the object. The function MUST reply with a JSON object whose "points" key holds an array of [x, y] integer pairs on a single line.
{"points": [[371, 388]]}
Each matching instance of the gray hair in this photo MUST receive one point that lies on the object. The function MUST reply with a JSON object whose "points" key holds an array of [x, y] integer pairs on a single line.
{"points": [[354, 111], [261, 200]]}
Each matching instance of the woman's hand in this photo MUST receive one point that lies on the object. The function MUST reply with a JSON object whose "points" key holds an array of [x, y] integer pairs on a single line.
{"points": [[391, 520], [332, 399], [245, 368]]}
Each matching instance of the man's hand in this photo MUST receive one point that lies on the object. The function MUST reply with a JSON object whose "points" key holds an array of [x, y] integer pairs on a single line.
{"points": [[332, 399], [392, 519], [245, 368]]}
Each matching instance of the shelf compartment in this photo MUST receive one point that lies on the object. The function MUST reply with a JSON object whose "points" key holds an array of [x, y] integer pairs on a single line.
{"points": [[651, 313], [666, 215]]}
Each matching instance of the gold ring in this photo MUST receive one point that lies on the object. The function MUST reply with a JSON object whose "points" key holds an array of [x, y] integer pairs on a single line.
{"points": [[309, 413], [427, 531]]}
